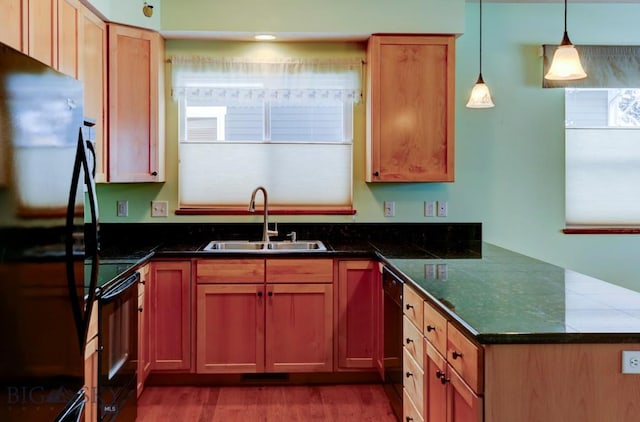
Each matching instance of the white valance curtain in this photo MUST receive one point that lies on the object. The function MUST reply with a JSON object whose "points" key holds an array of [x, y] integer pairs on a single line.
{"points": [[242, 80]]}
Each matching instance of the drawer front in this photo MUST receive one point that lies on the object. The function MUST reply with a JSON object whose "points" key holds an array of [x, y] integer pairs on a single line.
{"points": [[413, 306], [435, 328], [229, 271], [465, 357], [409, 411], [413, 341], [299, 271], [413, 381]]}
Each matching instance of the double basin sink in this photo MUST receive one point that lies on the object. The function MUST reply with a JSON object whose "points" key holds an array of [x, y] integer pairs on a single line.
{"points": [[264, 247]]}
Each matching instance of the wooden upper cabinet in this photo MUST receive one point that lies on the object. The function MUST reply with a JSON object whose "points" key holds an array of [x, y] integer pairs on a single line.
{"points": [[93, 72], [136, 106], [42, 30], [69, 37], [410, 108], [13, 28]]}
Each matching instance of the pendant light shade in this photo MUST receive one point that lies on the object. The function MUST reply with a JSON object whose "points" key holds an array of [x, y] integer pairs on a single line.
{"points": [[565, 65], [480, 95]]}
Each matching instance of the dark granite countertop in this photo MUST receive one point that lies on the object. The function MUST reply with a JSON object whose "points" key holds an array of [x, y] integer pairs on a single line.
{"points": [[496, 295], [505, 297]]}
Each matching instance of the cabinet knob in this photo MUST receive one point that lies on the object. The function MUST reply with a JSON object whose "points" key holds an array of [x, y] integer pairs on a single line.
{"points": [[430, 328], [154, 173], [376, 173], [439, 374], [409, 306], [259, 294], [142, 282], [140, 309], [270, 293], [456, 355], [409, 374], [408, 419], [445, 380], [409, 340]]}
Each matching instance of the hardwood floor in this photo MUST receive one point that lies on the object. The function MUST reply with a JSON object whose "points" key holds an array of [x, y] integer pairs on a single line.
{"points": [[359, 402]]}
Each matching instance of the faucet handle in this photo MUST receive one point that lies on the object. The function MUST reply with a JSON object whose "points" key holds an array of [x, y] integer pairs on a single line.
{"points": [[273, 232], [293, 236]]}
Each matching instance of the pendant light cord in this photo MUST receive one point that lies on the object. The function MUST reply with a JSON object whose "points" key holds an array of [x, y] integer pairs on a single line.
{"points": [[481, 39]]}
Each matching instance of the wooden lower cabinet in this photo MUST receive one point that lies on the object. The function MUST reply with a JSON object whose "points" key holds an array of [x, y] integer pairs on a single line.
{"points": [[170, 318], [144, 306], [299, 328], [230, 328], [358, 306], [91, 380], [246, 324]]}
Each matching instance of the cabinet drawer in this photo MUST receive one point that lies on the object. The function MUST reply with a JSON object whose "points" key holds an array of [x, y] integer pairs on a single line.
{"points": [[412, 339], [410, 413], [413, 380], [229, 271], [435, 328], [412, 306], [465, 357], [299, 271]]}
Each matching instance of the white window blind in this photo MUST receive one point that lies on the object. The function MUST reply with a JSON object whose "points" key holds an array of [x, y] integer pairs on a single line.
{"points": [[602, 154], [283, 124]]}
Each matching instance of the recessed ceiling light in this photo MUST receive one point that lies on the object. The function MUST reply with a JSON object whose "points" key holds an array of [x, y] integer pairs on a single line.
{"points": [[265, 37]]}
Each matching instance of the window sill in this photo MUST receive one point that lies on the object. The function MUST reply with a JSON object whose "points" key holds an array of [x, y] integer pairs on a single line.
{"points": [[272, 211], [601, 230]]}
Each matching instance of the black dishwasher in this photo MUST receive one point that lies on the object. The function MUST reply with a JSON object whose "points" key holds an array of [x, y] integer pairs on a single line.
{"points": [[392, 311]]}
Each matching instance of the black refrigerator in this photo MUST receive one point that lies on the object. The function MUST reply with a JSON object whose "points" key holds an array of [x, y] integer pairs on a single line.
{"points": [[48, 241]]}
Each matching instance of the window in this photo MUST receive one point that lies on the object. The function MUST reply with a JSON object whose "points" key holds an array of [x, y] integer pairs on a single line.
{"points": [[602, 153], [286, 125]]}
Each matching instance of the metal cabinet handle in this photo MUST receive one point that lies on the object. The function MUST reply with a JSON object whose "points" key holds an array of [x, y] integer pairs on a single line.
{"points": [[409, 340], [409, 374], [430, 328], [409, 306], [456, 355]]}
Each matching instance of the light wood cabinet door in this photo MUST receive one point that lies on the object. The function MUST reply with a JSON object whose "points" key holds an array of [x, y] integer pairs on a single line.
{"points": [[144, 306], [14, 25], [136, 106], [435, 390], [230, 328], [42, 31], [463, 405], [356, 313], [69, 34], [93, 72], [410, 108], [299, 328], [91, 380], [170, 319]]}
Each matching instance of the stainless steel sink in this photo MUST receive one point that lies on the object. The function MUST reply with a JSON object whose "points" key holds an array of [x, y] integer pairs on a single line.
{"points": [[264, 247]]}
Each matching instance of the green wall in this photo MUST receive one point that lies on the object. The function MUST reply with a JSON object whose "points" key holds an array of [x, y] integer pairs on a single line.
{"points": [[509, 160]]}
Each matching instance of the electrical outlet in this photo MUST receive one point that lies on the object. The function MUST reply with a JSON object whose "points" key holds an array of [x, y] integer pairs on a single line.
{"points": [[123, 208], [631, 361], [442, 209], [442, 271], [429, 209], [159, 208], [429, 271], [389, 209]]}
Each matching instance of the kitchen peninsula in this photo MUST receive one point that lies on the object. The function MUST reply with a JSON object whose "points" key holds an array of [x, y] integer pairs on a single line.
{"points": [[507, 336]]}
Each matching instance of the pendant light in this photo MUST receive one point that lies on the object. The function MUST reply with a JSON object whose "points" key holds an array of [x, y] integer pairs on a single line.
{"points": [[480, 95], [565, 65]]}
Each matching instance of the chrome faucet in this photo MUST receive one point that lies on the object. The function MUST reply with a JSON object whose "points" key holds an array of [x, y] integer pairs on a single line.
{"points": [[252, 208]]}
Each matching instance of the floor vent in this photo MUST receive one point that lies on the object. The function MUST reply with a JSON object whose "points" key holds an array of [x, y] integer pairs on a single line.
{"points": [[268, 377]]}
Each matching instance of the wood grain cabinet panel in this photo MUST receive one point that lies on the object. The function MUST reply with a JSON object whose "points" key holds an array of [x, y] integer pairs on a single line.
{"points": [[136, 105], [356, 314], [435, 328], [170, 319], [413, 306], [14, 23], [230, 328], [410, 108], [42, 31], [70, 28], [229, 271], [299, 270]]}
